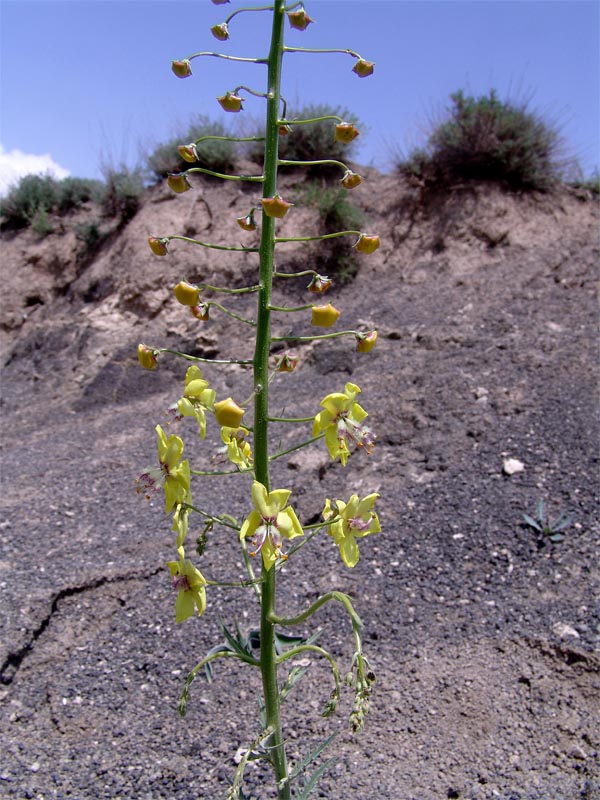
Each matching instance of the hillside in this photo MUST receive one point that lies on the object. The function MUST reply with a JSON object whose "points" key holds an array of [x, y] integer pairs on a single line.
{"points": [[483, 637]]}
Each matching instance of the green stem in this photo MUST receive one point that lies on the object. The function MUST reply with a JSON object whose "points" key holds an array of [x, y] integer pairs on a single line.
{"points": [[231, 139], [317, 238], [320, 50], [309, 121], [291, 419], [232, 313], [312, 338], [200, 359], [244, 290], [207, 244], [254, 178], [290, 309], [252, 8], [268, 656], [285, 163], [296, 447], [340, 597]]}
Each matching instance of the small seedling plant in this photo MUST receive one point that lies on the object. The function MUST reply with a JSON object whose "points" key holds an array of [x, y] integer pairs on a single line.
{"points": [[547, 526], [271, 532]]}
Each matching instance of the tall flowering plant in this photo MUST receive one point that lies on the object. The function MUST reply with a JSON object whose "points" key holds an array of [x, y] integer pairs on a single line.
{"points": [[271, 532]]}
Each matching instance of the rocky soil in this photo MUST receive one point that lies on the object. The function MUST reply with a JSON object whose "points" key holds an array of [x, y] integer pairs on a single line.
{"points": [[484, 637]]}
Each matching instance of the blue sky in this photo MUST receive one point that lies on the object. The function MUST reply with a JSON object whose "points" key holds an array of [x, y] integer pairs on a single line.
{"points": [[89, 81]]}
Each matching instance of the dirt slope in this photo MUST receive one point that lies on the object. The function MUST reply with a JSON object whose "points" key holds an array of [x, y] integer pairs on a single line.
{"points": [[484, 641]]}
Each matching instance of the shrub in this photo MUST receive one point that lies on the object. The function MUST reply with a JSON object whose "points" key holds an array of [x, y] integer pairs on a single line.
{"points": [[336, 213], [33, 195], [315, 141], [73, 192], [485, 138], [214, 154], [122, 193], [90, 236], [41, 223]]}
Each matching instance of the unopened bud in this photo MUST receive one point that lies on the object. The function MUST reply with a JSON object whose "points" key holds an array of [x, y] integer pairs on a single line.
{"points": [[158, 246], [366, 244], [182, 68], [286, 362], [247, 223], [178, 182], [188, 152], [351, 180], [275, 206], [186, 293], [363, 68], [299, 19], [220, 32], [345, 132], [147, 357], [201, 312], [319, 284], [365, 342], [228, 413], [285, 130], [230, 102], [324, 316]]}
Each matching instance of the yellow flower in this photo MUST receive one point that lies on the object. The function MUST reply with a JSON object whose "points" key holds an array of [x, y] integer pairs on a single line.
{"points": [[324, 316], [299, 19], [178, 182], [345, 132], [188, 152], [363, 68], [341, 419], [275, 206], [228, 413], [230, 102], [158, 246], [270, 523], [351, 180], [173, 474], [366, 244], [186, 293], [365, 342], [189, 583], [197, 397], [220, 32], [356, 519], [182, 68], [147, 357], [237, 448]]}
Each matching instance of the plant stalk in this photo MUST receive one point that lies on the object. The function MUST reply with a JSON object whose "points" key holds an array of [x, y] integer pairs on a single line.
{"points": [[268, 656]]}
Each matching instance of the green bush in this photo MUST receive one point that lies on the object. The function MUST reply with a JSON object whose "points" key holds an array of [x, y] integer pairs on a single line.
{"points": [[214, 154], [315, 141], [41, 223], [73, 192], [334, 256], [485, 138], [123, 192], [33, 195]]}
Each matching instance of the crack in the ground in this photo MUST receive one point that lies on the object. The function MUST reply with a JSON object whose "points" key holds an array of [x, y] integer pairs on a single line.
{"points": [[13, 661]]}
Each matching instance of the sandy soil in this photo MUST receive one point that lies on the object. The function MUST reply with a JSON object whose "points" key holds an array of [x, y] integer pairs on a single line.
{"points": [[484, 638]]}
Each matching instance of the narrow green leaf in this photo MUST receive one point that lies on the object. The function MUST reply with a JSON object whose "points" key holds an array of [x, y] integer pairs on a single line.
{"points": [[299, 768], [315, 778]]}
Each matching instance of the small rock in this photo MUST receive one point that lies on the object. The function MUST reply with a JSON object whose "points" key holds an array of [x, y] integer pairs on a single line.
{"points": [[563, 631], [511, 466], [578, 753]]}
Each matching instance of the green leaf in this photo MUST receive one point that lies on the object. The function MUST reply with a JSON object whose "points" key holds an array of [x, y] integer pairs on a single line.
{"points": [[301, 767], [315, 778], [295, 674], [532, 522]]}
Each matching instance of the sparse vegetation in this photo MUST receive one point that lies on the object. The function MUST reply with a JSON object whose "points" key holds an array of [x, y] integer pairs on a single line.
{"points": [[485, 138], [33, 195], [214, 154], [122, 192], [546, 526], [315, 141], [336, 212]]}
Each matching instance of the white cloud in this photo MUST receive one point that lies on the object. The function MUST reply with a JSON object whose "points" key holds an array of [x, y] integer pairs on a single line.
{"points": [[15, 164]]}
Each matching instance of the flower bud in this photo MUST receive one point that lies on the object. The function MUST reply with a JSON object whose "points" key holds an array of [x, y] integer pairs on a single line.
{"points": [[178, 182], [220, 32], [228, 413], [187, 293], [275, 206], [324, 316], [286, 362], [363, 68], [365, 342], [285, 130], [366, 244], [147, 357], [201, 312], [158, 246], [299, 19], [319, 284], [345, 132], [182, 68], [247, 223], [188, 152], [351, 180], [230, 102]]}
